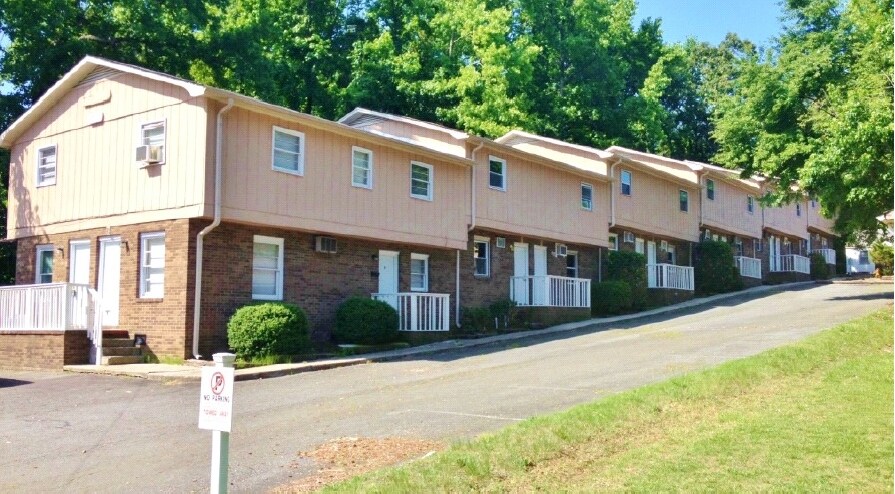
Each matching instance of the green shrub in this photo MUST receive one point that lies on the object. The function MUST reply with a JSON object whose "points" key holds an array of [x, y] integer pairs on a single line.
{"points": [[629, 267], [611, 297], [476, 319], [504, 311], [819, 268], [365, 321], [883, 256], [272, 328], [715, 270]]}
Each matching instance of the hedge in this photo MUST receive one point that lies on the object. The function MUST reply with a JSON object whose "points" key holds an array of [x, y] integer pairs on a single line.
{"points": [[629, 267], [715, 270], [611, 297], [365, 321], [819, 268], [272, 328]]}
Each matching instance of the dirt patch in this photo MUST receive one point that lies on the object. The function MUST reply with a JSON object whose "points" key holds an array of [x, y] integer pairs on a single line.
{"points": [[345, 457]]}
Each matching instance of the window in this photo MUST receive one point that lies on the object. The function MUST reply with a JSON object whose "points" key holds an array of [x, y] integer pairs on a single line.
{"points": [[750, 204], [361, 167], [267, 268], [497, 173], [152, 265], [813, 204], [863, 258], [710, 189], [738, 246], [798, 209], [46, 166], [823, 243], [757, 245], [43, 272], [572, 264], [481, 253], [421, 181], [153, 134], [670, 255], [288, 151], [587, 197], [685, 201], [626, 183], [419, 272], [613, 241]]}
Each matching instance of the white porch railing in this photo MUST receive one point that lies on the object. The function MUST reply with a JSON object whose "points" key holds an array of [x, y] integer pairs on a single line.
{"points": [[53, 306], [419, 311], [669, 276], [749, 267], [791, 263], [829, 255], [550, 291]]}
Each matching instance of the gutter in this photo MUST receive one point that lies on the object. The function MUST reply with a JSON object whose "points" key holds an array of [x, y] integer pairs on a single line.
{"points": [[471, 228], [612, 193], [200, 238]]}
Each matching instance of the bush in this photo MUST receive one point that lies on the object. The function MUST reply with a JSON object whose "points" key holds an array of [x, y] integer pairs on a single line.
{"points": [[629, 267], [883, 256], [365, 321], [715, 270], [611, 297], [504, 311], [477, 319], [271, 328], [819, 268]]}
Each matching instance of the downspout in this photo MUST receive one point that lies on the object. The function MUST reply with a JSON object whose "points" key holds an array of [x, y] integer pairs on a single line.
{"points": [[200, 238], [472, 215], [612, 194], [457, 302], [700, 191], [471, 228]]}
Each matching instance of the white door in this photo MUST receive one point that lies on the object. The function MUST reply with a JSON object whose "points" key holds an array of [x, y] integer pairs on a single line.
{"points": [[79, 262], [651, 268], [773, 252], [520, 273], [540, 283], [388, 276], [109, 284]]}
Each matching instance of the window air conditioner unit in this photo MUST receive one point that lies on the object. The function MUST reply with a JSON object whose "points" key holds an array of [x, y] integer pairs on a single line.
{"points": [[325, 244], [561, 250], [500, 242], [629, 238], [663, 245], [150, 155]]}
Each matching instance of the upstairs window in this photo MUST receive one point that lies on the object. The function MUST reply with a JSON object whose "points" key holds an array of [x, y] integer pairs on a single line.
{"points": [[798, 209], [497, 173], [361, 167], [750, 204], [288, 151], [152, 265], [710, 189], [43, 269], [684, 201], [626, 182], [587, 197], [267, 268], [153, 135], [419, 272], [482, 256], [46, 166], [421, 181]]}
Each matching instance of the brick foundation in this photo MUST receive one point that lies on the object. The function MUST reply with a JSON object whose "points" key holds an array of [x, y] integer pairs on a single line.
{"points": [[43, 349], [663, 296]]}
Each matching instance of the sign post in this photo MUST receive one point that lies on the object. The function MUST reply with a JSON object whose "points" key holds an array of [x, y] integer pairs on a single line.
{"points": [[216, 414]]}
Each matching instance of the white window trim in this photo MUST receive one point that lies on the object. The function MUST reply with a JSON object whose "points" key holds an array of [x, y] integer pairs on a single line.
{"points": [[55, 166], [487, 242], [144, 237], [37, 251], [425, 258], [261, 239], [591, 187], [750, 204], [712, 189], [301, 151], [679, 201], [621, 181], [164, 123], [503, 173], [431, 189], [572, 253], [613, 241], [357, 149]]}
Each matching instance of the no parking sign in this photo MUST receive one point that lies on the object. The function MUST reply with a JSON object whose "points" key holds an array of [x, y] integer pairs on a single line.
{"points": [[216, 398]]}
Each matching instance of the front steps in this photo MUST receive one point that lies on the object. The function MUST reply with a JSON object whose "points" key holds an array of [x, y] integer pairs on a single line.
{"points": [[119, 349]]}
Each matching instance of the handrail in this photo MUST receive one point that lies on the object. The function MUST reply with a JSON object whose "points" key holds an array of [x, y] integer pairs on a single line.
{"points": [[790, 263], [669, 276], [419, 311], [749, 267], [550, 291]]}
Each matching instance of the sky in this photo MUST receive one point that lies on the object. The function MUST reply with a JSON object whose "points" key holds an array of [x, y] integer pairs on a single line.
{"points": [[710, 20]]}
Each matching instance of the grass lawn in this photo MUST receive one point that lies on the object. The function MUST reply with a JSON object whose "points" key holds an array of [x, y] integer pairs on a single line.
{"points": [[814, 416]]}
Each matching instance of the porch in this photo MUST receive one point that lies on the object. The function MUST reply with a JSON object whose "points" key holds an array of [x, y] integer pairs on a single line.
{"points": [[669, 276], [829, 255], [550, 291], [748, 267], [790, 263], [418, 311]]}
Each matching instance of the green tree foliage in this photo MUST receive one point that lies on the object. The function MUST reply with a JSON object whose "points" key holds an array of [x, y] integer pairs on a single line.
{"points": [[816, 110], [883, 257]]}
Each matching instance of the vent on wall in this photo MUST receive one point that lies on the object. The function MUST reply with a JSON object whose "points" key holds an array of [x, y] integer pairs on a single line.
{"points": [[500, 242], [149, 155], [325, 244], [629, 237]]}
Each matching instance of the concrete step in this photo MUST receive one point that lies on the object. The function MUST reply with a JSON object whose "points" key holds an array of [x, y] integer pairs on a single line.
{"points": [[122, 351], [117, 342], [121, 360], [115, 333]]}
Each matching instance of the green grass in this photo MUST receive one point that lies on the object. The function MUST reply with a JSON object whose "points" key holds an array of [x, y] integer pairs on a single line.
{"points": [[809, 417]]}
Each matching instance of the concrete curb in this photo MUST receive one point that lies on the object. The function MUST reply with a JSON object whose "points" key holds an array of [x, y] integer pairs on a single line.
{"points": [[166, 372]]}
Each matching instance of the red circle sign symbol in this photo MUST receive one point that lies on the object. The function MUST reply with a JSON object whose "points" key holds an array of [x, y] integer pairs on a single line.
{"points": [[217, 383]]}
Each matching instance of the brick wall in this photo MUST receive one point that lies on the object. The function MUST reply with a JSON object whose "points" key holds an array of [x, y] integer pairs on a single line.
{"points": [[43, 349], [165, 321]]}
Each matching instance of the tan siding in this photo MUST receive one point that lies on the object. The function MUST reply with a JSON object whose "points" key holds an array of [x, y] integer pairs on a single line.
{"points": [[430, 138], [96, 173], [653, 206], [816, 220], [324, 200], [784, 220], [729, 211]]}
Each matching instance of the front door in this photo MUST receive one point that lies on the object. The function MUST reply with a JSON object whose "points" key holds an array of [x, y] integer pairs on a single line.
{"points": [[520, 274], [774, 252], [540, 282], [388, 276], [109, 282], [650, 263], [79, 262]]}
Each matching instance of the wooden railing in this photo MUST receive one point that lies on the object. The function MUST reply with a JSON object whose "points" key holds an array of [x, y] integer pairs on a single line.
{"points": [[791, 263], [420, 311], [53, 306], [749, 267], [550, 291], [669, 276], [829, 255]]}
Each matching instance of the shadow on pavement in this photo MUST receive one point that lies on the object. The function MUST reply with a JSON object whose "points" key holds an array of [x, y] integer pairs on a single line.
{"points": [[10, 383], [868, 296]]}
